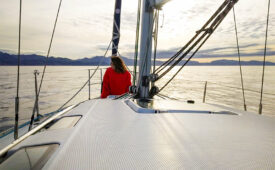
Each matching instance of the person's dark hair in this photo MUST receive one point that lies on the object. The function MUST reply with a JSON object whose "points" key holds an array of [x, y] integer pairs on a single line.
{"points": [[119, 64]]}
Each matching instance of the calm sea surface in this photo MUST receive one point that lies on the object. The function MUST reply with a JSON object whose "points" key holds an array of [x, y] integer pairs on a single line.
{"points": [[61, 82]]}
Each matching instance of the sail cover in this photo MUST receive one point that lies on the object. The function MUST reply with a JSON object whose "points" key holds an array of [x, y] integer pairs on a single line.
{"points": [[116, 27]]}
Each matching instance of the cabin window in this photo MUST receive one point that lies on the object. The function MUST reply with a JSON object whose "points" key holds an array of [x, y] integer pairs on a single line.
{"points": [[29, 158]]}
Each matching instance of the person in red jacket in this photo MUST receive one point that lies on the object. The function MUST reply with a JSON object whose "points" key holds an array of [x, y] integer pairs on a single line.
{"points": [[117, 79]]}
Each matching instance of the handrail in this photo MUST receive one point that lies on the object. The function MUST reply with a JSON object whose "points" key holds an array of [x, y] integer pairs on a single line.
{"points": [[34, 130], [239, 88], [228, 86]]}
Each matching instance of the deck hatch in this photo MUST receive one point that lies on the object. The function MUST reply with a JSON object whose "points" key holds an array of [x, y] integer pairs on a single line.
{"points": [[29, 158]]}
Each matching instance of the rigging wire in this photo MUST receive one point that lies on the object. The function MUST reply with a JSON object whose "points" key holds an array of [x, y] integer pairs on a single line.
{"points": [[239, 56], [45, 66], [123, 96], [136, 43], [156, 38], [182, 65], [162, 20], [218, 17], [50, 45], [48, 72], [168, 62], [18, 76], [166, 97], [28, 156], [234, 87], [263, 73], [82, 87], [201, 38], [208, 31]]}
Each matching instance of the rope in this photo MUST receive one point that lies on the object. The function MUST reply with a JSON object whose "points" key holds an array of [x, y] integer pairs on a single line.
{"points": [[49, 49], [160, 96], [123, 96], [165, 96], [82, 87], [18, 76], [263, 73], [156, 38], [189, 57], [136, 43], [65, 71], [182, 65], [227, 86], [239, 56], [29, 160], [162, 20], [168, 62], [207, 33], [45, 66], [48, 72], [233, 87]]}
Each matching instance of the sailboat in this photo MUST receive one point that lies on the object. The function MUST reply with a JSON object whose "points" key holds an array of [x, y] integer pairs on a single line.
{"points": [[137, 130]]}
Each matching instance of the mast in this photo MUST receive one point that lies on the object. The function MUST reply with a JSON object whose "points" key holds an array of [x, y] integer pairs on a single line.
{"points": [[147, 22], [116, 27], [145, 48]]}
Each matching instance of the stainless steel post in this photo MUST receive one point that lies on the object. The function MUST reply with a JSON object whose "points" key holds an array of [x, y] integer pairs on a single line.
{"points": [[89, 84], [260, 108], [16, 117], [36, 92], [101, 80], [204, 93], [35, 107]]}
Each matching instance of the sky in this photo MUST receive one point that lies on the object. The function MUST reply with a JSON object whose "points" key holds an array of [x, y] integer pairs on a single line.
{"points": [[84, 28]]}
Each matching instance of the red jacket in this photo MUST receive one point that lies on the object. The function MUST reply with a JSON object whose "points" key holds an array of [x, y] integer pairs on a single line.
{"points": [[115, 83]]}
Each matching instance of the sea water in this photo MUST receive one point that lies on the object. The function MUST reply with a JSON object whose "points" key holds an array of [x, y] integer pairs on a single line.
{"points": [[62, 82]]}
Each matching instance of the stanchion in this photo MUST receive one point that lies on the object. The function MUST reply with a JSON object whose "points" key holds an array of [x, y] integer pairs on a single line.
{"points": [[204, 93]]}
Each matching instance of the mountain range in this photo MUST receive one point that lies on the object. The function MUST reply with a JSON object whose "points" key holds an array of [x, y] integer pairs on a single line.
{"points": [[33, 59]]}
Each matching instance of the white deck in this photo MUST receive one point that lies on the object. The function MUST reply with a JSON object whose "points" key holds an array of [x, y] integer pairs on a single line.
{"points": [[111, 135]]}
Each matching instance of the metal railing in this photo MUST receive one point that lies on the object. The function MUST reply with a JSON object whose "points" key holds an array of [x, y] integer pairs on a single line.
{"points": [[205, 91], [89, 83], [206, 86]]}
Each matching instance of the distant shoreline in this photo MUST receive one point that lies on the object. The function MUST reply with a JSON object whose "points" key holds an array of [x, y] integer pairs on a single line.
{"points": [[38, 60]]}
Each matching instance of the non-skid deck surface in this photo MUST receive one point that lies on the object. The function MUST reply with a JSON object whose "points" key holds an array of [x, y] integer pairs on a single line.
{"points": [[110, 135]]}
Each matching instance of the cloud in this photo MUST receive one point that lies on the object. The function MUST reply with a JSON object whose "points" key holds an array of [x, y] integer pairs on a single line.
{"points": [[198, 8], [9, 51], [129, 19], [102, 47], [235, 54], [229, 51], [248, 28], [220, 49], [85, 27], [23, 51], [77, 21]]}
